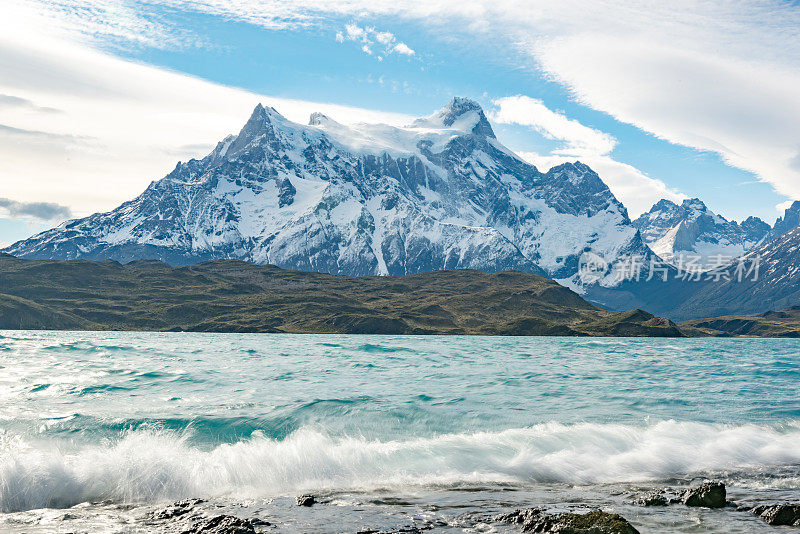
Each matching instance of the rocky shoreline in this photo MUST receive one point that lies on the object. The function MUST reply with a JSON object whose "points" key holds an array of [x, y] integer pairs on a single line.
{"points": [[191, 517]]}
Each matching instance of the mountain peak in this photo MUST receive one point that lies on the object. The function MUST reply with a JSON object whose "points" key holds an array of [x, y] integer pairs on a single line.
{"points": [[459, 105], [460, 113], [263, 113], [261, 123], [363, 199], [794, 208], [317, 118], [694, 203], [664, 205], [576, 165]]}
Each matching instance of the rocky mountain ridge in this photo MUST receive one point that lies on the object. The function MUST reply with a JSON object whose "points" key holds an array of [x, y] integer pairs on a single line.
{"points": [[690, 232]]}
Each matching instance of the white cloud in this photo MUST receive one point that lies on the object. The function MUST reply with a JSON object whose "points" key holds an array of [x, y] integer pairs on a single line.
{"points": [[579, 139], [370, 37], [402, 48], [112, 21], [745, 111], [384, 37], [356, 33], [88, 130], [714, 75], [783, 206], [637, 191]]}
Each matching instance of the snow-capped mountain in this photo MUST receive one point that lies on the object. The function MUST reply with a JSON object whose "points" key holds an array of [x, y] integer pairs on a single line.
{"points": [[441, 193], [766, 278], [690, 232]]}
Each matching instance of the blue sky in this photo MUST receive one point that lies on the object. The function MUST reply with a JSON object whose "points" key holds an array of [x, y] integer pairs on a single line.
{"points": [[312, 65], [672, 125]]}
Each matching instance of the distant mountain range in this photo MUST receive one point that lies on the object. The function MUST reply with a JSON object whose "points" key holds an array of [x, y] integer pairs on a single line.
{"points": [[690, 230], [441, 193], [774, 284]]}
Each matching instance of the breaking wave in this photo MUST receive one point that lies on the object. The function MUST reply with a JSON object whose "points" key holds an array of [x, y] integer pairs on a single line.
{"points": [[147, 466]]}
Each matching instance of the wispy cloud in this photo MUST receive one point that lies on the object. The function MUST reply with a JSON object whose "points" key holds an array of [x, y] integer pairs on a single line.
{"points": [[46, 211], [115, 23], [402, 48], [11, 101], [6, 130], [372, 41], [578, 139], [122, 123], [718, 76], [631, 186]]}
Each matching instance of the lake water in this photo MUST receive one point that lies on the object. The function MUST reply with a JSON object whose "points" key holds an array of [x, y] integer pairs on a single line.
{"points": [[99, 429]]}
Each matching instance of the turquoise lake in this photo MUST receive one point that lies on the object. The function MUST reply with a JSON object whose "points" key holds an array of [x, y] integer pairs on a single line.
{"points": [[108, 425]]}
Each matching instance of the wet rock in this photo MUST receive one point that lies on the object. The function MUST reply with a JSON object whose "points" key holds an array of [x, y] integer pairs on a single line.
{"points": [[655, 498], [709, 495], [306, 500], [221, 524], [176, 509], [522, 517], [403, 530], [595, 522], [786, 514]]}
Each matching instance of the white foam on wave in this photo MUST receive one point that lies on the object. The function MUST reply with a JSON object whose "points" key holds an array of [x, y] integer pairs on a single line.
{"points": [[153, 466]]}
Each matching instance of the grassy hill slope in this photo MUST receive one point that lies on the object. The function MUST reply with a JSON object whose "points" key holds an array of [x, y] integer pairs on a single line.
{"points": [[234, 296], [784, 323]]}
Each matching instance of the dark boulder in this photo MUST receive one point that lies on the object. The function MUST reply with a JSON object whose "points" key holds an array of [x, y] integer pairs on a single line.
{"points": [[401, 530], [522, 517], [655, 498], [709, 495], [784, 514], [306, 500], [595, 522], [176, 509], [221, 524]]}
